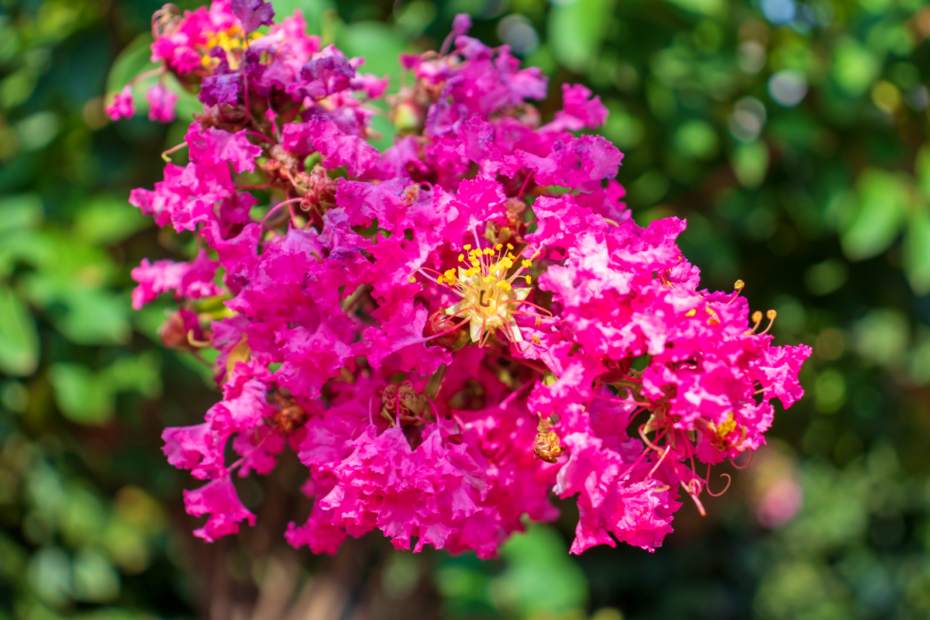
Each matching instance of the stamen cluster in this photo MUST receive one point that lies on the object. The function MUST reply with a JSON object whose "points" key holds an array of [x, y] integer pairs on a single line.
{"points": [[447, 332]]}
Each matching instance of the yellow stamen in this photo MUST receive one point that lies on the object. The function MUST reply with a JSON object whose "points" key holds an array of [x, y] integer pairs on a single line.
{"points": [[726, 428]]}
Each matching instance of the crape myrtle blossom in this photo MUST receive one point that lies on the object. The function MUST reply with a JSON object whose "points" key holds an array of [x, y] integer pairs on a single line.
{"points": [[446, 333]]}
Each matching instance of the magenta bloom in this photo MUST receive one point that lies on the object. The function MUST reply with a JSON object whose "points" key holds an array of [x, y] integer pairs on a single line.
{"points": [[161, 104], [447, 333], [122, 105]]}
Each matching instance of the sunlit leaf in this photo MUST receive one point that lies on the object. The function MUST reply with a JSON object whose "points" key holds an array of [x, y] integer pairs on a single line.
{"points": [[83, 516], [135, 59], [922, 168], [379, 44], [18, 212], [539, 556], [136, 373], [311, 10], [705, 7], [882, 200], [19, 340], [82, 396], [855, 67], [84, 314], [577, 30], [696, 140], [917, 251], [750, 163], [95, 579], [49, 574], [106, 219]]}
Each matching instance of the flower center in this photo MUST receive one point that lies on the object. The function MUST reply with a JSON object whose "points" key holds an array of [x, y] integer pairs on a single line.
{"points": [[489, 299], [230, 40]]}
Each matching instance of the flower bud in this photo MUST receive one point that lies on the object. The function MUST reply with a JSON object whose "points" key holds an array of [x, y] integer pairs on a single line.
{"points": [[408, 117]]}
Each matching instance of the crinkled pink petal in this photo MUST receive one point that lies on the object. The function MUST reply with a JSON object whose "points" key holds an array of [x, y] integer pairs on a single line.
{"points": [[219, 500], [122, 105], [161, 103], [193, 280]]}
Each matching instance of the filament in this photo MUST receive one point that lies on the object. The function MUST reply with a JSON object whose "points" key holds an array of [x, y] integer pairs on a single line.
{"points": [[770, 315], [707, 487], [200, 344], [733, 463]]}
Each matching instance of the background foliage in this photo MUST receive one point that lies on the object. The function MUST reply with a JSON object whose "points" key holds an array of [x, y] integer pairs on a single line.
{"points": [[791, 135]]}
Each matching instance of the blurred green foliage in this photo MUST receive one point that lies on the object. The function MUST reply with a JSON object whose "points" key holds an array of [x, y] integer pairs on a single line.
{"points": [[793, 136]]}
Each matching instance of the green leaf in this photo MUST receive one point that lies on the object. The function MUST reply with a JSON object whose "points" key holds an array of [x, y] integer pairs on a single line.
{"points": [[14, 559], [750, 163], [312, 10], [379, 44], [704, 7], [108, 219], [82, 396], [416, 16], [135, 59], [882, 202], [82, 518], [826, 277], [922, 169], [19, 340], [855, 67], [95, 316], [70, 286], [622, 128], [696, 139], [917, 251], [577, 30], [24, 246], [187, 104], [18, 212], [882, 336], [95, 579], [387, 131], [140, 373], [49, 574], [540, 556]]}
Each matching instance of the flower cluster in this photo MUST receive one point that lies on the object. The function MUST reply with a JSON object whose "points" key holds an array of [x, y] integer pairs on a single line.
{"points": [[445, 332]]}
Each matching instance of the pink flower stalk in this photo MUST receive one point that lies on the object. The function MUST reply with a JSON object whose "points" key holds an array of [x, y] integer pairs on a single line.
{"points": [[161, 103], [122, 105], [448, 332]]}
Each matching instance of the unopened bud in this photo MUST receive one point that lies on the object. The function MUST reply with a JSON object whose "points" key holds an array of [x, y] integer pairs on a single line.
{"points": [[408, 117]]}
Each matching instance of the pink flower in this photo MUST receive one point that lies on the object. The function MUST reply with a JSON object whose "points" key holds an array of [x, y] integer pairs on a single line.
{"points": [[161, 103], [402, 335], [313, 357], [252, 13], [448, 331], [122, 105], [196, 448], [215, 145], [219, 500], [321, 134], [779, 369], [579, 163], [193, 280], [579, 110]]}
